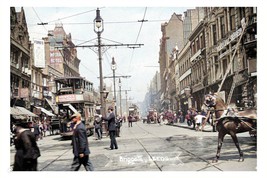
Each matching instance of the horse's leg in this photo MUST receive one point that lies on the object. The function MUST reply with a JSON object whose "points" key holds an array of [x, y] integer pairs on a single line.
{"points": [[234, 137], [220, 142]]}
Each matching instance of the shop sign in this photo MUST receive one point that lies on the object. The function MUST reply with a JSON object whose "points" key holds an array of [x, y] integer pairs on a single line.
{"points": [[231, 38]]}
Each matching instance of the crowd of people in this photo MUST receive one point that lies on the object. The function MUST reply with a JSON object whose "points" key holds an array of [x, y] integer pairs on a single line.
{"points": [[191, 117]]}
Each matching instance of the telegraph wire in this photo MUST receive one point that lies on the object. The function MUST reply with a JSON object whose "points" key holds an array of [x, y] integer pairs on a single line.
{"points": [[42, 23], [142, 21], [70, 69], [74, 15], [117, 22]]}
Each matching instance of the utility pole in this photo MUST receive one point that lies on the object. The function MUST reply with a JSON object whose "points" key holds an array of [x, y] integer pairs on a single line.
{"points": [[126, 104], [114, 90], [120, 96], [126, 96], [113, 68]]}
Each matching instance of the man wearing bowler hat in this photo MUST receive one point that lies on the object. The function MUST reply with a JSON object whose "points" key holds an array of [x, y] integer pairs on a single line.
{"points": [[80, 145], [111, 128]]}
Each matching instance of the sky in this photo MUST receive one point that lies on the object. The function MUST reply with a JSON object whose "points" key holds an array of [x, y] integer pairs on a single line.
{"points": [[120, 26], [129, 62]]}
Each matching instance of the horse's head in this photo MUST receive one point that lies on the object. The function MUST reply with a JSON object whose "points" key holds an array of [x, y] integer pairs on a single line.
{"points": [[210, 100]]}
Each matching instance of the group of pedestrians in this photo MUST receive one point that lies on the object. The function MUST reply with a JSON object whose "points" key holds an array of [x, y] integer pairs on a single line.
{"points": [[27, 150], [192, 118]]}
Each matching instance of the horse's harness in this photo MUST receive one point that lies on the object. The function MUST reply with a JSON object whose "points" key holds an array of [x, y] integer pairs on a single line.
{"points": [[213, 110]]}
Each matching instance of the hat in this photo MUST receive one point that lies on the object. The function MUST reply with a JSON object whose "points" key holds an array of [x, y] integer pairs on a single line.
{"points": [[76, 115], [110, 108]]}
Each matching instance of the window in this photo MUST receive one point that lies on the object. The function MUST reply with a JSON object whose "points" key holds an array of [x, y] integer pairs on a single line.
{"points": [[232, 18], [78, 84], [214, 34], [242, 14], [193, 48], [201, 42], [222, 27], [197, 47], [224, 65]]}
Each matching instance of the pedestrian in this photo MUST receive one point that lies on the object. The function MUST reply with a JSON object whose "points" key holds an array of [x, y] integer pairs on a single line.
{"points": [[111, 128], [130, 120], [193, 114], [188, 119], [118, 126], [27, 151], [41, 129], [80, 145], [36, 130], [161, 118], [98, 126], [199, 119], [45, 128]]}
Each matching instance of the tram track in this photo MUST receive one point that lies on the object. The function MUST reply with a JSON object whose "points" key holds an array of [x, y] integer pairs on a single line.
{"points": [[138, 140], [174, 145], [57, 158]]}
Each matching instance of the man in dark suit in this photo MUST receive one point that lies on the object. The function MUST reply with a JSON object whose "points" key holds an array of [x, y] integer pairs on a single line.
{"points": [[27, 150], [112, 128], [130, 120], [80, 145]]}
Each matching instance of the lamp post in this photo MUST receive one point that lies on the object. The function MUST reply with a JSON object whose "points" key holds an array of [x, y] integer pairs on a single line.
{"points": [[99, 28], [113, 68], [120, 97]]}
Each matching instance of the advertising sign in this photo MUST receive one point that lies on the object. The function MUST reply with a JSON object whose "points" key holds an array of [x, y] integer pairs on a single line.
{"points": [[39, 53]]}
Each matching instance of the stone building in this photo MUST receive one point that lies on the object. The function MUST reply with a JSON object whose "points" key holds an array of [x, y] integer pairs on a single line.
{"points": [[61, 54], [183, 68], [198, 66], [20, 64], [183, 78], [226, 47], [172, 36]]}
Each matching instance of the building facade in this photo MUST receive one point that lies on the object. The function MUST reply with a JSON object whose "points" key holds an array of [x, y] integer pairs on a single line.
{"points": [[20, 64], [183, 66], [198, 65], [61, 54], [219, 55], [171, 41], [226, 29]]}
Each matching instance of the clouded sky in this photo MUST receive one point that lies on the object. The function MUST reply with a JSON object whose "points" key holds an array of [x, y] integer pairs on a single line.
{"points": [[120, 26]]}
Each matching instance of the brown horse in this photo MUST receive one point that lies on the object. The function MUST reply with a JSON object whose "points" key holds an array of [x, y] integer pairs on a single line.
{"points": [[238, 122]]}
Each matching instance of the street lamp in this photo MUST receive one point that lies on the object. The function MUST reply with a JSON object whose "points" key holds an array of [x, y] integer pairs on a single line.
{"points": [[99, 28], [120, 97], [113, 68]]}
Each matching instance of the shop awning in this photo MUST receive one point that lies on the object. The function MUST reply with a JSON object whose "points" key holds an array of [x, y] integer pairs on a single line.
{"points": [[15, 111], [19, 117], [25, 112], [45, 111]]}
